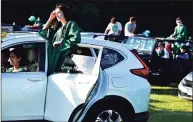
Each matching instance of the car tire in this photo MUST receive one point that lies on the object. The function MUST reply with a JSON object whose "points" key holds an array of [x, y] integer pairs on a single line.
{"points": [[95, 111]]}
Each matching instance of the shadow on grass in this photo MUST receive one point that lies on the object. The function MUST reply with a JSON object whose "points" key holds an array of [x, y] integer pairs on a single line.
{"points": [[173, 92], [156, 101], [163, 115], [163, 109]]}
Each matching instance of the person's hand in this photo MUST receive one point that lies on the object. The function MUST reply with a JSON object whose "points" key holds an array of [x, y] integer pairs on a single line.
{"points": [[56, 44], [173, 37], [52, 15]]}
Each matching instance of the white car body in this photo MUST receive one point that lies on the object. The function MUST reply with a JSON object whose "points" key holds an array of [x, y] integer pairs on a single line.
{"points": [[36, 96], [185, 87]]}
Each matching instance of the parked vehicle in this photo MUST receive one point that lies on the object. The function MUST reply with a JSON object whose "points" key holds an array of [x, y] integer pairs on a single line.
{"points": [[10, 27], [169, 70], [97, 81], [31, 28], [185, 87]]}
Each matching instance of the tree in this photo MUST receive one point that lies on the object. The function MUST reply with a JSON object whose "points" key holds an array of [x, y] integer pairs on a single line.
{"points": [[89, 17]]}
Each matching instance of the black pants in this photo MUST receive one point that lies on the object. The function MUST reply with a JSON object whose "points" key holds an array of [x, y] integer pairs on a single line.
{"points": [[114, 38]]}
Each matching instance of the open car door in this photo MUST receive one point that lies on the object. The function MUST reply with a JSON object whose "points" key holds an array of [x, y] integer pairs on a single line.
{"points": [[69, 86]]}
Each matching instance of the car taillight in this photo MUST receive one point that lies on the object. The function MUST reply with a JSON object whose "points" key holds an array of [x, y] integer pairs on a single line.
{"points": [[142, 72]]}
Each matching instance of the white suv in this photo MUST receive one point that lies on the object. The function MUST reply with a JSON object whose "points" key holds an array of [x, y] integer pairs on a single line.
{"points": [[100, 80]]}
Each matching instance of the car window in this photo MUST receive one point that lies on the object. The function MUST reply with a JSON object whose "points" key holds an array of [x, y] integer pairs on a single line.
{"points": [[29, 57], [79, 60], [110, 58], [141, 44]]}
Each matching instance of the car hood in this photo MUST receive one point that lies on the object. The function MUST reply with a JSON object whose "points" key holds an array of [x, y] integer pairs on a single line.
{"points": [[189, 77]]}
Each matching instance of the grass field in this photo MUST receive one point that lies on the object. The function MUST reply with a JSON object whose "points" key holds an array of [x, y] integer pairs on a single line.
{"points": [[165, 106]]}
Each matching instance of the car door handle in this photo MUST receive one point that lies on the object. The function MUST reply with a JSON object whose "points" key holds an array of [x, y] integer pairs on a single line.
{"points": [[36, 79]]}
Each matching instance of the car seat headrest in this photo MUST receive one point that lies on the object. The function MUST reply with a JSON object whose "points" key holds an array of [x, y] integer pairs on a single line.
{"points": [[32, 55]]}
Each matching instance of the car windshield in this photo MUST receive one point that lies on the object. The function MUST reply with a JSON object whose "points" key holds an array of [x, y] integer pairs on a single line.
{"points": [[144, 45]]}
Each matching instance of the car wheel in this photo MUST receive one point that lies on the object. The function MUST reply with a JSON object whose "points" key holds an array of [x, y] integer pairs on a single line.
{"points": [[108, 113]]}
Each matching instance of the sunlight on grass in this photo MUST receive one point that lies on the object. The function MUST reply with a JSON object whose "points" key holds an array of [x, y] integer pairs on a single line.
{"points": [[165, 106]]}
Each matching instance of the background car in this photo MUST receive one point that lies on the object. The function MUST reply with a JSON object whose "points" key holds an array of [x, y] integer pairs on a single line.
{"points": [[170, 70], [31, 28], [10, 27], [185, 87], [89, 84]]}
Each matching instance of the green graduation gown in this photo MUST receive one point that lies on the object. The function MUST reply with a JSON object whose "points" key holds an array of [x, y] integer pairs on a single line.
{"points": [[69, 34], [181, 33], [19, 70]]}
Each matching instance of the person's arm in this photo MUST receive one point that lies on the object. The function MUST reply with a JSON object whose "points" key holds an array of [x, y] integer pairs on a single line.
{"points": [[52, 16], [174, 33], [134, 28], [119, 28], [47, 25], [129, 32], [107, 29], [183, 34], [47, 33]]}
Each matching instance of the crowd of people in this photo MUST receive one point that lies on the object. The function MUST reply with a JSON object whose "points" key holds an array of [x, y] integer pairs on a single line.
{"points": [[164, 54], [114, 32], [114, 29]]}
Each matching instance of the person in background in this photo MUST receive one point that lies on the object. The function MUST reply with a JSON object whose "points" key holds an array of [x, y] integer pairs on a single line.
{"points": [[15, 58], [61, 37], [168, 47], [161, 51], [114, 28], [180, 31], [32, 20], [184, 54], [158, 62], [38, 23], [130, 27]]}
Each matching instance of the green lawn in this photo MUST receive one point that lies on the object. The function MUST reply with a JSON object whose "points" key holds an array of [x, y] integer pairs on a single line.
{"points": [[165, 106]]}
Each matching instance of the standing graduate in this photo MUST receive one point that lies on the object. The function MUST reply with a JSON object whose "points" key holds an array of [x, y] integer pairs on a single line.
{"points": [[61, 33]]}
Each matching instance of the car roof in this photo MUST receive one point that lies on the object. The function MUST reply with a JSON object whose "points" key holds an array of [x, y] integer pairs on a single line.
{"points": [[91, 34], [19, 37], [3, 24], [18, 34], [162, 39], [14, 35]]}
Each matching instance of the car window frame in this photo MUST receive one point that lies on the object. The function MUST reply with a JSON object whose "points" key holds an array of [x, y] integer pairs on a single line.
{"points": [[29, 42], [91, 48], [119, 51]]}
